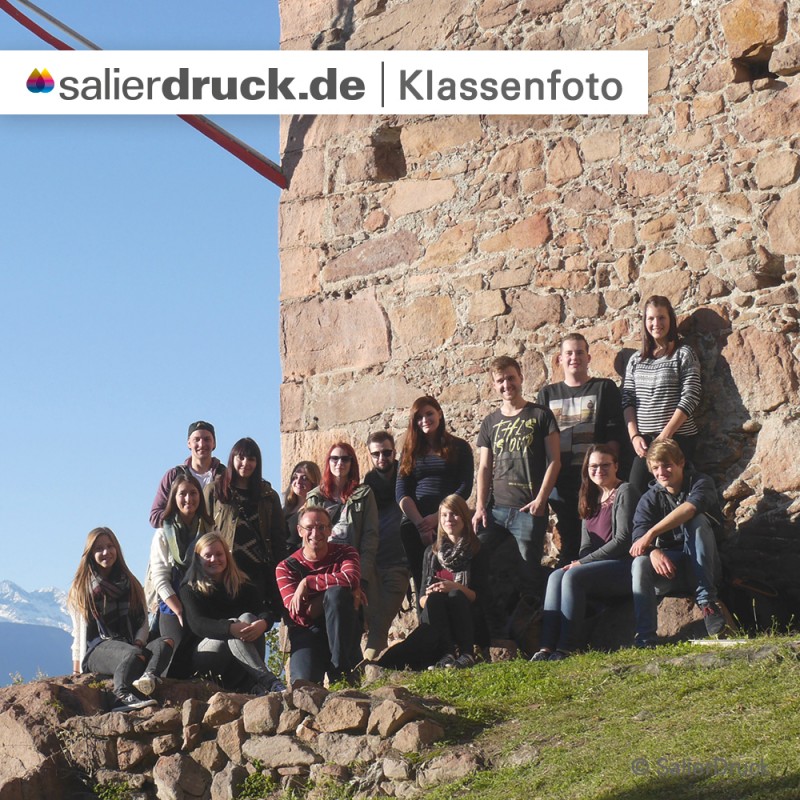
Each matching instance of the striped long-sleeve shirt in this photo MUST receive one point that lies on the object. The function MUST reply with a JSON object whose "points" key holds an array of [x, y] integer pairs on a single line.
{"points": [[340, 567], [655, 387]]}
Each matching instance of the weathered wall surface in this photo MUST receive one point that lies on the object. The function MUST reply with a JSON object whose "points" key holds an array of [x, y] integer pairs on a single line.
{"points": [[415, 249]]}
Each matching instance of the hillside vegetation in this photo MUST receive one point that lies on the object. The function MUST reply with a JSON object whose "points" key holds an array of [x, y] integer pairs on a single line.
{"points": [[679, 722]]}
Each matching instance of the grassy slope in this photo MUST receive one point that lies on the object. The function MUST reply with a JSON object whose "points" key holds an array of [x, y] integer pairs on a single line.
{"points": [[575, 728]]}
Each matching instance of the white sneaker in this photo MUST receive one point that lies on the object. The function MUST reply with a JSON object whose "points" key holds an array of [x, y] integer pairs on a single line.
{"points": [[146, 685]]}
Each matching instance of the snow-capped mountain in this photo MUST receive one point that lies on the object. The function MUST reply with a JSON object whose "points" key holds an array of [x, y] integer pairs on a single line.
{"points": [[46, 607]]}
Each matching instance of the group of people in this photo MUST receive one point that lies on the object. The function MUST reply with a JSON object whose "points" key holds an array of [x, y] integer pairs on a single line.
{"points": [[339, 557]]}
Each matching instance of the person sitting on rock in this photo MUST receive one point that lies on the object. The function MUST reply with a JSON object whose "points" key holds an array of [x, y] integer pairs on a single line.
{"points": [[674, 541], [320, 588], [109, 624], [229, 617]]}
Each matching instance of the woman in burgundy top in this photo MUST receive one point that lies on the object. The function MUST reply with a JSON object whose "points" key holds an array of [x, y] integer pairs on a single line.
{"points": [[606, 506]]}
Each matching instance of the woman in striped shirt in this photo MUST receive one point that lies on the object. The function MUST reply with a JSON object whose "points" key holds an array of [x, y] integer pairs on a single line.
{"points": [[661, 390]]}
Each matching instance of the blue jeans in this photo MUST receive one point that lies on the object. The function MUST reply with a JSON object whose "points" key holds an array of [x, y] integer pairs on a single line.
{"points": [[697, 571], [565, 599], [529, 532], [332, 644]]}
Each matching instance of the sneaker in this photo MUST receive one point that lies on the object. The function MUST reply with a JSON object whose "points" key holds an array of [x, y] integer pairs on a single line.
{"points": [[277, 686], [128, 701], [445, 662], [542, 655], [558, 655], [714, 619], [146, 685], [646, 644], [464, 661]]}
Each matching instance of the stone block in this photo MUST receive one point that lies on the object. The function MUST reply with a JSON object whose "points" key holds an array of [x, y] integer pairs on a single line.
{"points": [[290, 719], [292, 396], [492, 13], [451, 246], [585, 306], [783, 224], [564, 162], [773, 120], [262, 714], [223, 707], [324, 335], [778, 168], [416, 735], [178, 777], [763, 368], [343, 714], [343, 748], [600, 146], [507, 278], [531, 311], [193, 711], [165, 720], [308, 697], [531, 232], [645, 183], [301, 223], [299, 272], [776, 454], [306, 173], [167, 744], [751, 27], [713, 180], [707, 106], [658, 262], [389, 716], [192, 736], [226, 783], [132, 753], [659, 229], [517, 157], [397, 769], [786, 59], [408, 196], [586, 199], [278, 751], [210, 756], [448, 767], [486, 304], [542, 7], [374, 255], [439, 135], [230, 738], [425, 323]]}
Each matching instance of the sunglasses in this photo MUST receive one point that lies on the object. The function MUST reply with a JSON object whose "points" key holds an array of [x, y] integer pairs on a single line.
{"points": [[342, 459], [385, 453]]}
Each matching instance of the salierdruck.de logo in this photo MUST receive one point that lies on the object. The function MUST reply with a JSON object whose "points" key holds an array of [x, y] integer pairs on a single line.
{"points": [[40, 82]]}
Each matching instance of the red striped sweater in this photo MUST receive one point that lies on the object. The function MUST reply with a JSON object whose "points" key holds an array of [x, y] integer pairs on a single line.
{"points": [[340, 567]]}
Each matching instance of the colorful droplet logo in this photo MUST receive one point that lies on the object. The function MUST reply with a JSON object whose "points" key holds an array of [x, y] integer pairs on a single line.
{"points": [[40, 82]]}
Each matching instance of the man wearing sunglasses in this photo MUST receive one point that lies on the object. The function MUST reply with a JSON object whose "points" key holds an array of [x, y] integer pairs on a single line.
{"points": [[390, 562]]}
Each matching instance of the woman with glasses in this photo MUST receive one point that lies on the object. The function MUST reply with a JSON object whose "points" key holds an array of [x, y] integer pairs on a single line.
{"points": [[305, 476], [352, 508], [606, 506], [433, 465]]}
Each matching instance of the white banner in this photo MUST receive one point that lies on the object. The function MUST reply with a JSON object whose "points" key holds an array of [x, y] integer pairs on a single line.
{"points": [[323, 82]]}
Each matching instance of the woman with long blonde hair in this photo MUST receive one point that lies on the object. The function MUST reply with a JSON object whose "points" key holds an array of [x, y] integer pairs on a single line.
{"points": [[109, 624], [229, 617]]}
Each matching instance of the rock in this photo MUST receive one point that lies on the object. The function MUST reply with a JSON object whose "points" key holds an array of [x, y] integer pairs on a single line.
{"points": [[389, 716], [451, 246], [448, 767], [486, 304], [209, 756], [165, 720], [226, 783], [374, 255], [776, 454], [223, 707], [308, 697], [409, 196], [192, 736], [783, 224], [299, 272], [425, 323], [306, 352], [751, 27], [517, 157], [762, 366], [777, 169], [413, 736], [600, 146], [564, 162], [679, 617], [178, 777], [167, 744], [193, 711], [439, 135], [230, 738], [340, 714], [775, 119], [132, 753], [531, 232], [278, 751], [786, 59], [343, 748], [531, 311], [262, 714]]}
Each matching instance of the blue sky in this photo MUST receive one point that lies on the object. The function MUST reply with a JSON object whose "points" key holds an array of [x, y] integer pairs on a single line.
{"points": [[139, 292]]}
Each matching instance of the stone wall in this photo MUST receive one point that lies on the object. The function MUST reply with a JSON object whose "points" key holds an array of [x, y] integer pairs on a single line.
{"points": [[414, 249], [58, 741]]}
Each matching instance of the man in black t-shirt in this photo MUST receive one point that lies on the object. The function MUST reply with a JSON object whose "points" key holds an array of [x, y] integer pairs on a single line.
{"points": [[588, 411], [519, 459]]}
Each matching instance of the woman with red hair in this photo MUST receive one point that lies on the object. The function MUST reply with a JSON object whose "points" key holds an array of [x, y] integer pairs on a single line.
{"points": [[353, 512], [433, 465]]}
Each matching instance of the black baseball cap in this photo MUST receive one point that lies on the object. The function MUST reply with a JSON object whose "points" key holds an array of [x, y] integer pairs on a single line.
{"points": [[201, 426]]}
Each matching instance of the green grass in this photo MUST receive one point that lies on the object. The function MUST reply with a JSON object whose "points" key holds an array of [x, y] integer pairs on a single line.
{"points": [[588, 724]]}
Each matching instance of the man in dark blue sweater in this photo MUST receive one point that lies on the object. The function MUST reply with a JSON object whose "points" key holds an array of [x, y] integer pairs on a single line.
{"points": [[674, 543]]}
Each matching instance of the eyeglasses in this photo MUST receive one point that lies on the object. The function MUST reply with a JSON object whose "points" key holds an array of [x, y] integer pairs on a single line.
{"points": [[342, 459], [604, 467], [382, 453], [322, 528]]}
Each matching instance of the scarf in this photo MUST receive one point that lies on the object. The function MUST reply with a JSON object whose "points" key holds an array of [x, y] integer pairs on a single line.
{"points": [[179, 537], [111, 599], [456, 558]]}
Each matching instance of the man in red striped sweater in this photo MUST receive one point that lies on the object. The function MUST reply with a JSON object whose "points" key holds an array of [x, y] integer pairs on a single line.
{"points": [[320, 585]]}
